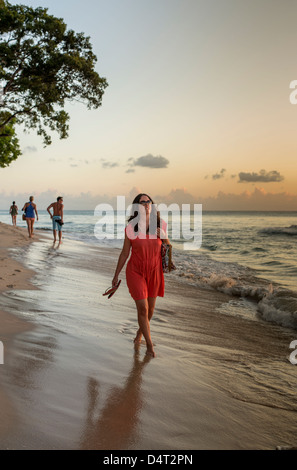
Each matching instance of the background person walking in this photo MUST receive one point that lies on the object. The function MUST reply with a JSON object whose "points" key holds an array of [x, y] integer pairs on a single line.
{"points": [[13, 212], [57, 217], [30, 210]]}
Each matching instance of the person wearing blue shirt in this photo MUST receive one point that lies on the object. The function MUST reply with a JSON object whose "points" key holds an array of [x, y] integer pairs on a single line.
{"points": [[30, 210]]}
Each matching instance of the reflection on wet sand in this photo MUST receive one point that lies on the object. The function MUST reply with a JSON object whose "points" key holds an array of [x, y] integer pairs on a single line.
{"points": [[116, 426], [34, 355]]}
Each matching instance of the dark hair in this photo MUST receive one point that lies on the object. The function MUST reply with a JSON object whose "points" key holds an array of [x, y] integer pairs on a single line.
{"points": [[58, 198], [153, 211], [13, 202]]}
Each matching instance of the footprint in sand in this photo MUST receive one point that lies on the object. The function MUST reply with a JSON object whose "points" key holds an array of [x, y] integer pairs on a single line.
{"points": [[18, 270], [10, 286]]}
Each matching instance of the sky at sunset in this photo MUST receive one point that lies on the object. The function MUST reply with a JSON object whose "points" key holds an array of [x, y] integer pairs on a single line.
{"points": [[197, 109]]}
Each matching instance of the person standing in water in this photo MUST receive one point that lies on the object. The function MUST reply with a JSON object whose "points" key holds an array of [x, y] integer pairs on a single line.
{"points": [[13, 212], [30, 210], [57, 217], [144, 273]]}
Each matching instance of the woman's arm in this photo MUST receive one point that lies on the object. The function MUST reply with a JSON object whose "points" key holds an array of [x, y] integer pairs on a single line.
{"points": [[122, 259]]}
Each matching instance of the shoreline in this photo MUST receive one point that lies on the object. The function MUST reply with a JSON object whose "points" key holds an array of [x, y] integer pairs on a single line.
{"points": [[214, 384], [13, 275]]}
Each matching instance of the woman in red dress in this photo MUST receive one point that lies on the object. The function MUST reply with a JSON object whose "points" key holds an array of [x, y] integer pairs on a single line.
{"points": [[144, 275]]}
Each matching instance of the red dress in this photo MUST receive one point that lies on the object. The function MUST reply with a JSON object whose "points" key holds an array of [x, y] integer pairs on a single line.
{"points": [[144, 273]]}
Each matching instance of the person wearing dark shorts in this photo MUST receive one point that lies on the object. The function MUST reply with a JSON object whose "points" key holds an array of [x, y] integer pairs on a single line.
{"points": [[57, 217]]}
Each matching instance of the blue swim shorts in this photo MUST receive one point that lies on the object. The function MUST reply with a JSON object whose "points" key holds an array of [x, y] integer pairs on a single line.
{"points": [[56, 226]]}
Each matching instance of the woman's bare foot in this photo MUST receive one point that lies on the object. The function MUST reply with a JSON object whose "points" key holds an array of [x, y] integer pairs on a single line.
{"points": [[150, 351], [137, 339]]}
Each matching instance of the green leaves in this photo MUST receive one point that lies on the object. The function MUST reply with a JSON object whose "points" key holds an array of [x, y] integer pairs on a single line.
{"points": [[9, 145], [42, 66]]}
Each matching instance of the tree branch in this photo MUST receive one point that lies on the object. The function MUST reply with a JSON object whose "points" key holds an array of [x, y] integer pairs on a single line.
{"points": [[12, 116]]}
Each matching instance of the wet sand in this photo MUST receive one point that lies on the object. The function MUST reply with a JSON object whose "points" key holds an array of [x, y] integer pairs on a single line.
{"points": [[13, 275], [72, 378]]}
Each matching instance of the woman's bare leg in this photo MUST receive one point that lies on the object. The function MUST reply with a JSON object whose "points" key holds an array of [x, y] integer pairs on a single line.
{"points": [[29, 226], [144, 323], [151, 308], [32, 223]]}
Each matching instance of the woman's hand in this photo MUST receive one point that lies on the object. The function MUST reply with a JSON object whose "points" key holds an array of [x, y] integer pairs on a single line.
{"points": [[115, 281]]}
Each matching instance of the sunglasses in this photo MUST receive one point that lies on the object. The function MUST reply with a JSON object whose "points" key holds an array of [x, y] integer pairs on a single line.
{"points": [[111, 290], [145, 202]]}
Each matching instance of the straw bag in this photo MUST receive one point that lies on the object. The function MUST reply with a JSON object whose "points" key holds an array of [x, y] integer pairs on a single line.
{"points": [[24, 216], [166, 254]]}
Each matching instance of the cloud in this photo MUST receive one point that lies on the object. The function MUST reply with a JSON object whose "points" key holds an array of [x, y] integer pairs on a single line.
{"points": [[106, 164], [177, 195], [81, 201], [259, 199], [109, 165], [134, 192], [149, 161], [74, 162], [30, 149], [262, 177], [217, 176]]}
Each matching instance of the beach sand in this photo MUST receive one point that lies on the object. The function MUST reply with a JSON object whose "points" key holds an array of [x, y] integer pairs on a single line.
{"points": [[13, 275], [72, 379]]}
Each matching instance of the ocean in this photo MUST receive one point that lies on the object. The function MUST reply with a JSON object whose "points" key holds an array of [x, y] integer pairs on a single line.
{"points": [[249, 255], [222, 360]]}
